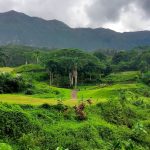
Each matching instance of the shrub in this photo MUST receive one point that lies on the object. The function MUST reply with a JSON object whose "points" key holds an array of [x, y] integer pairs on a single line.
{"points": [[4, 146], [29, 142], [146, 78], [29, 92], [60, 107], [105, 133], [138, 102], [45, 106], [112, 112], [26, 106], [116, 113], [11, 84], [13, 124], [79, 110]]}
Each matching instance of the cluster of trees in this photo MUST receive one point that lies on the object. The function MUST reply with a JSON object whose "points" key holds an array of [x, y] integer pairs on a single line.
{"points": [[19, 55], [132, 60], [65, 67]]}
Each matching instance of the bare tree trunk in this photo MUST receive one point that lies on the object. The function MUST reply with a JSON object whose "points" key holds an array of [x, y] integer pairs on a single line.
{"points": [[90, 77], [76, 81], [26, 62], [70, 78], [37, 60], [75, 77], [72, 81], [50, 78]]}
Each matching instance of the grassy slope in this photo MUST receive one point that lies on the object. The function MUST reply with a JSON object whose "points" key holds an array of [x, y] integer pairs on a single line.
{"points": [[127, 76], [97, 93], [108, 91], [6, 69], [65, 130], [57, 129], [50, 95]]}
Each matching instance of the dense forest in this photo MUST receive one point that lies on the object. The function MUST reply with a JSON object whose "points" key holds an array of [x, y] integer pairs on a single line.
{"points": [[71, 99], [63, 66]]}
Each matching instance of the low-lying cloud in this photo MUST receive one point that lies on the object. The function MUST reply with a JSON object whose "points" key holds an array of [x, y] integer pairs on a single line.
{"points": [[119, 15]]}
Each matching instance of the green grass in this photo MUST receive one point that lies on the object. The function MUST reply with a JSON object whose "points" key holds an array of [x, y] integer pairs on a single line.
{"points": [[51, 127], [29, 68], [128, 76], [43, 90], [30, 100], [54, 128], [98, 92], [6, 69]]}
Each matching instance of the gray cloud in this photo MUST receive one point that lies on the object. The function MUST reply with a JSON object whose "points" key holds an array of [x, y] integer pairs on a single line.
{"points": [[119, 15], [103, 11], [4, 5]]}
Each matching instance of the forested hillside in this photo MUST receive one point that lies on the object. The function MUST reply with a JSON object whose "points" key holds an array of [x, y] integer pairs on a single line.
{"points": [[18, 28]]}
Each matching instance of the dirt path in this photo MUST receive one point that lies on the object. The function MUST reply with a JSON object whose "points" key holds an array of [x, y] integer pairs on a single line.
{"points": [[74, 94]]}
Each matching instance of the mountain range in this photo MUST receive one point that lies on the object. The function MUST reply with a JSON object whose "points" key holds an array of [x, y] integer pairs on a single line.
{"points": [[20, 29]]}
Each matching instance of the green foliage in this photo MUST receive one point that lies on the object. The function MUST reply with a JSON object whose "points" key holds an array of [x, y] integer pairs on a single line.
{"points": [[129, 76], [4, 146], [12, 83], [146, 78], [120, 120], [53, 129], [29, 68], [13, 124], [113, 112], [117, 112]]}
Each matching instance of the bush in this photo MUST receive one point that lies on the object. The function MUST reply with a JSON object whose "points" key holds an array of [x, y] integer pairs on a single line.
{"points": [[13, 124], [29, 142], [29, 92], [105, 133], [45, 106], [146, 78], [114, 112], [11, 84], [4, 146], [77, 138]]}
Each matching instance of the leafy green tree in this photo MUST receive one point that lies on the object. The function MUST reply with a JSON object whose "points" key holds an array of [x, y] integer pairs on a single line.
{"points": [[52, 68]]}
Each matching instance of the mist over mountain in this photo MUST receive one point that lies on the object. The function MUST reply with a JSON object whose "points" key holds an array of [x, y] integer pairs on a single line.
{"points": [[18, 28]]}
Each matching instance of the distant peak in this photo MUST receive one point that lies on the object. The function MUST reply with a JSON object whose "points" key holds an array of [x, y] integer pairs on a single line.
{"points": [[58, 23], [13, 12]]}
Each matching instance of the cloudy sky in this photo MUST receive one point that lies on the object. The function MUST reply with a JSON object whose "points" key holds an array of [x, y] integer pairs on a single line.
{"points": [[119, 15]]}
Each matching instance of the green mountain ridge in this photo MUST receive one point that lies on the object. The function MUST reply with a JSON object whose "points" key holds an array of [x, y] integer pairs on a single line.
{"points": [[21, 29]]}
